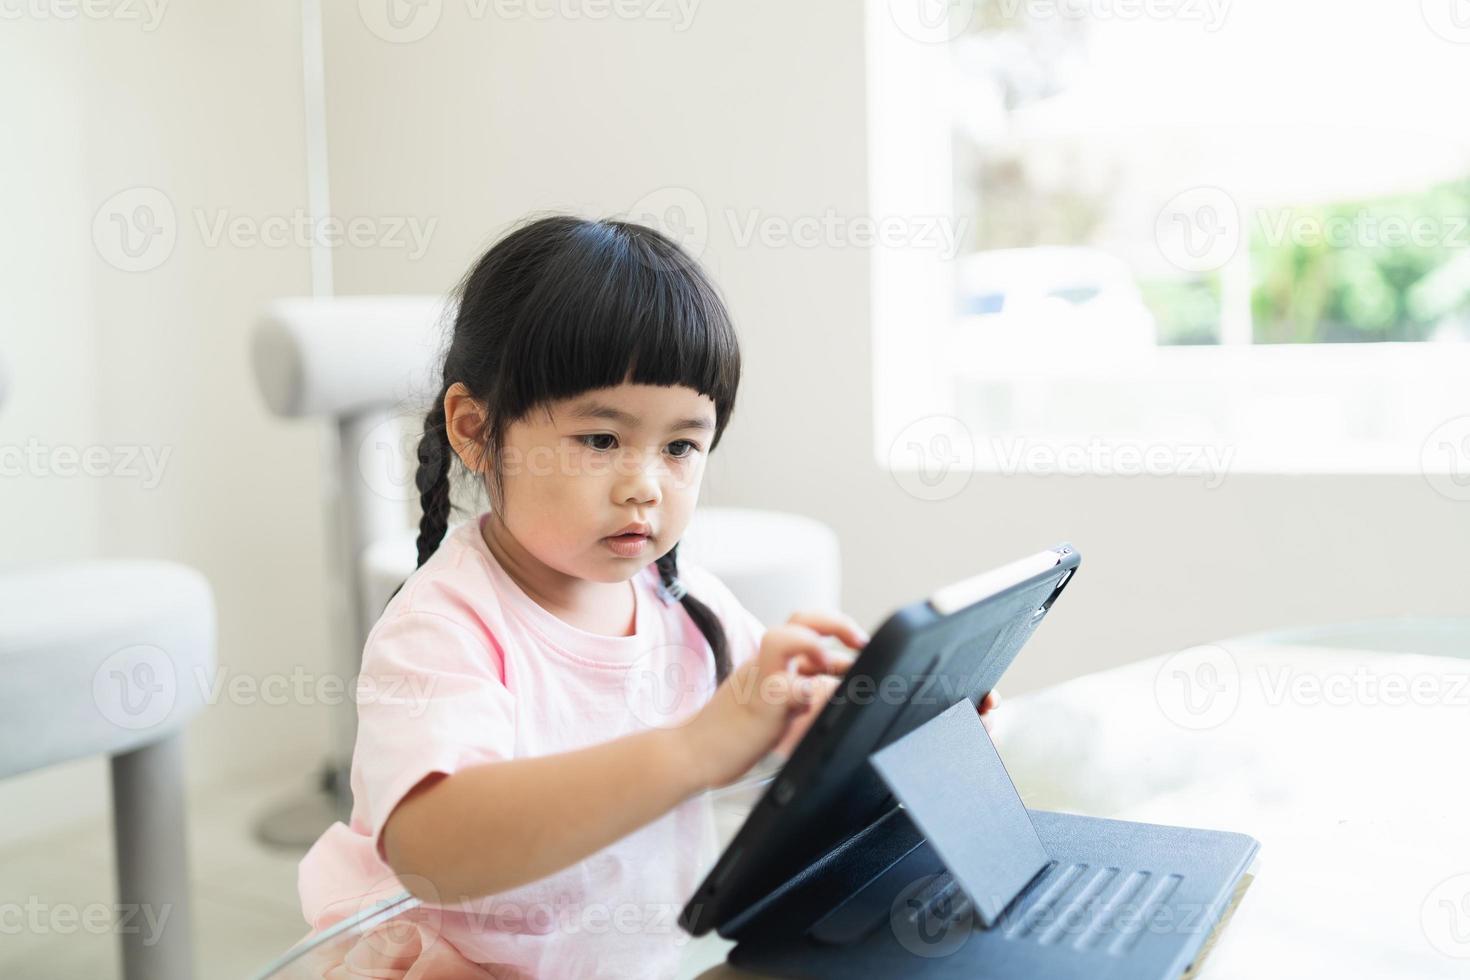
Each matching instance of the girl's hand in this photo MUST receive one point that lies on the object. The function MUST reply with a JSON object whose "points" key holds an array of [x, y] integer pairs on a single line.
{"points": [[776, 693], [987, 705]]}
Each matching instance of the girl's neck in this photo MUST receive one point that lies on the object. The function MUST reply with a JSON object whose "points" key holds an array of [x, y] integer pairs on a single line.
{"points": [[608, 608]]}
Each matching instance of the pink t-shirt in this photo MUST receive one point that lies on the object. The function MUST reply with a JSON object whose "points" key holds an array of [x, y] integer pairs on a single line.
{"points": [[464, 668]]}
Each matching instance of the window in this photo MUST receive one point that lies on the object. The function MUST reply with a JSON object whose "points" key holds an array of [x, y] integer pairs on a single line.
{"points": [[1183, 227]]}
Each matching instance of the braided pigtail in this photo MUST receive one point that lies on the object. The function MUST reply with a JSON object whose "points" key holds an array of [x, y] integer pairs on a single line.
{"points": [[704, 617], [432, 481]]}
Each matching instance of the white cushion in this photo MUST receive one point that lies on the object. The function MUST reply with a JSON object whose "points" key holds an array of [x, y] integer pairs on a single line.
{"points": [[99, 657], [336, 357], [775, 563]]}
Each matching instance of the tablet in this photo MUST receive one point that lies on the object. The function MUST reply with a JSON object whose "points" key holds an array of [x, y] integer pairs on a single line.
{"points": [[924, 658]]}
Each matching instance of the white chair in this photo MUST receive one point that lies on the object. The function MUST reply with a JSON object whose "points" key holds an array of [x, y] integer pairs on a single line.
{"points": [[113, 658], [363, 363], [106, 658]]}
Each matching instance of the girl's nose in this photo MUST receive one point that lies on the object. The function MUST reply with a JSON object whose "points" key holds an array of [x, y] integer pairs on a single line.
{"points": [[642, 481]]}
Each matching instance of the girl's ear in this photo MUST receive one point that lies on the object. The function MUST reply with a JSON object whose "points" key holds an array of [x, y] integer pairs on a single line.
{"points": [[464, 426]]}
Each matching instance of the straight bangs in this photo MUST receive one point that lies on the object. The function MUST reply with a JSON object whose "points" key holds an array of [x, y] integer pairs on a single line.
{"points": [[619, 302]]}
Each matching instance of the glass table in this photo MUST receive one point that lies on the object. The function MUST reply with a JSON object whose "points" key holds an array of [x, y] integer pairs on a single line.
{"points": [[1345, 750]]}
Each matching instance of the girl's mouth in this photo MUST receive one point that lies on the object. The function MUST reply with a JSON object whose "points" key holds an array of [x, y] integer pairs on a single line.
{"points": [[627, 545]]}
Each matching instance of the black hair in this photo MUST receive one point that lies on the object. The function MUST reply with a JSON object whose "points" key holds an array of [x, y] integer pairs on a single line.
{"points": [[564, 305]]}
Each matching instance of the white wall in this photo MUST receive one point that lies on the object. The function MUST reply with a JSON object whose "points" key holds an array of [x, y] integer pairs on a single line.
{"points": [[759, 107], [206, 109], [47, 341]]}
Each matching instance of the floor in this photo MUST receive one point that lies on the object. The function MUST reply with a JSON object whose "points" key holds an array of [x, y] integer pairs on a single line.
{"points": [[57, 893], [53, 892]]}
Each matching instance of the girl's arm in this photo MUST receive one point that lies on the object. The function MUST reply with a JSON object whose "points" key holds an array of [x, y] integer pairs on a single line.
{"points": [[493, 827]]}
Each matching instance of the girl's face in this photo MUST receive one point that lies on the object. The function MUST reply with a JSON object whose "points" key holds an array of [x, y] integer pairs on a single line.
{"points": [[578, 473]]}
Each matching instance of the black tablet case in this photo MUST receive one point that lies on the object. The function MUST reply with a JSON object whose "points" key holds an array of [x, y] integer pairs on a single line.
{"points": [[1039, 894]]}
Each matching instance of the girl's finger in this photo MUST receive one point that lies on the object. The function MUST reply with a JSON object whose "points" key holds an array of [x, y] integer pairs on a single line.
{"points": [[837, 624], [792, 646]]}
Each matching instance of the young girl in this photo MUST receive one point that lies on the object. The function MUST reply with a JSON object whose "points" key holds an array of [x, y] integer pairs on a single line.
{"points": [[553, 690]]}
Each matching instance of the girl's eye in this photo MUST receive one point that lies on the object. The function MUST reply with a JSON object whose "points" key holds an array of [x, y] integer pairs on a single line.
{"points": [[597, 435], [688, 450]]}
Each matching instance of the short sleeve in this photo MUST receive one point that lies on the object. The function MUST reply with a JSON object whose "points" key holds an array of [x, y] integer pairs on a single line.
{"points": [[743, 630], [431, 699]]}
